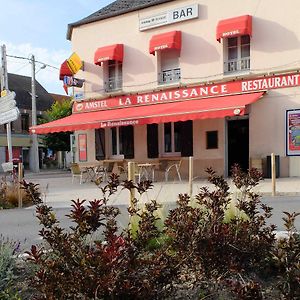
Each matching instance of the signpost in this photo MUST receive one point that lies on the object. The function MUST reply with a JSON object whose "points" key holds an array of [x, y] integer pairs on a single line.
{"points": [[8, 110]]}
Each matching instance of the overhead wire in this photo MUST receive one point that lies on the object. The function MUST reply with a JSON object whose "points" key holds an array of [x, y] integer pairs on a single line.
{"points": [[198, 78]]}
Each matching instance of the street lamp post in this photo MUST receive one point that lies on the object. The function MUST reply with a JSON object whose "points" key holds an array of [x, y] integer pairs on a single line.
{"points": [[34, 161]]}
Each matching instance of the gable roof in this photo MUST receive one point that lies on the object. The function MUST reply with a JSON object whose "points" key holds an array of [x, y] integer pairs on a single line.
{"points": [[21, 85], [116, 8], [60, 98]]}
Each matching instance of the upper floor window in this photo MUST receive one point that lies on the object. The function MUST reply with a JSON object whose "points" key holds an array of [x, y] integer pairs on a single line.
{"points": [[237, 54], [169, 70], [167, 46], [25, 122], [111, 57], [113, 77]]}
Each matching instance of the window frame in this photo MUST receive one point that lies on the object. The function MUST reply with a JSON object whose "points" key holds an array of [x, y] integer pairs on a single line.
{"points": [[172, 152], [119, 154], [209, 145], [26, 120], [116, 68], [240, 63], [172, 70]]}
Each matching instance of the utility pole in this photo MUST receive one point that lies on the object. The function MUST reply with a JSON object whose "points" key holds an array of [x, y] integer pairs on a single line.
{"points": [[34, 146], [4, 87]]}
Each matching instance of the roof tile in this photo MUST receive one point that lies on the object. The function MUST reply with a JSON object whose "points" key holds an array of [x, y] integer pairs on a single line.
{"points": [[116, 8]]}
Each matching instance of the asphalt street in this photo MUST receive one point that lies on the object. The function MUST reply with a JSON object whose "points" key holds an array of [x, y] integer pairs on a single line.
{"points": [[22, 224], [58, 190]]}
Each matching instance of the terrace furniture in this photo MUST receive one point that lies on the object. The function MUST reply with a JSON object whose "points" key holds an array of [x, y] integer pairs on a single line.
{"points": [[77, 172], [173, 166]]}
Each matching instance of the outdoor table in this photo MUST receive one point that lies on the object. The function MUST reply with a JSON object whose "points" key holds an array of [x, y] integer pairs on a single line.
{"points": [[91, 170], [115, 163], [146, 170]]}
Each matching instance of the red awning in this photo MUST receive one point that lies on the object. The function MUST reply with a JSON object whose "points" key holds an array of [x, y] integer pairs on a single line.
{"points": [[234, 27], [218, 107], [168, 40], [112, 52], [64, 70]]}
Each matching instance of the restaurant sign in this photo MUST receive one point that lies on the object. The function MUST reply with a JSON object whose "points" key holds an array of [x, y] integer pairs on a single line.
{"points": [[196, 92]]}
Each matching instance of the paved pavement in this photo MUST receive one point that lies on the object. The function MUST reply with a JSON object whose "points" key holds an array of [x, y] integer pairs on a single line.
{"points": [[58, 190]]}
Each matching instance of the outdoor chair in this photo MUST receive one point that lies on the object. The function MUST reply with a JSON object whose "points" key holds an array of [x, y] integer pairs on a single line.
{"points": [[123, 169], [174, 166], [101, 171], [77, 172], [108, 168]]}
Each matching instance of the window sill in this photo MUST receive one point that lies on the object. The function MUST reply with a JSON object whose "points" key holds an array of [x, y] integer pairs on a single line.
{"points": [[114, 92], [171, 155], [171, 83], [236, 74], [120, 156]]}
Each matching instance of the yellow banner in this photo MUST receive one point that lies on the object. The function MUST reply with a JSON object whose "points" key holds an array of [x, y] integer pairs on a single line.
{"points": [[74, 62]]}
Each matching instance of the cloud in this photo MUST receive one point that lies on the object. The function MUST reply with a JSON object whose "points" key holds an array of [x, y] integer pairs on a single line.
{"points": [[48, 77]]}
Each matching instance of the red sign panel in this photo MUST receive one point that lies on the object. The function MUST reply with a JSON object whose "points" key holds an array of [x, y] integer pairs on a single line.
{"points": [[82, 145], [196, 92]]}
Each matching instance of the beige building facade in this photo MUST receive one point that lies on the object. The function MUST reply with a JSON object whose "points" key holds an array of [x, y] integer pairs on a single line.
{"points": [[240, 59]]}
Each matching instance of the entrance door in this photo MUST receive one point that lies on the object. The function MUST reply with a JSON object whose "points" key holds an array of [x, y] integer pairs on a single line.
{"points": [[238, 143]]}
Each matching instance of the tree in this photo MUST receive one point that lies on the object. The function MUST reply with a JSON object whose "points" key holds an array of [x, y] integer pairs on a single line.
{"points": [[58, 141]]}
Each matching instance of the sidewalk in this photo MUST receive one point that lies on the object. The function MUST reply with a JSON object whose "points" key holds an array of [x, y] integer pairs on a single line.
{"points": [[57, 188]]}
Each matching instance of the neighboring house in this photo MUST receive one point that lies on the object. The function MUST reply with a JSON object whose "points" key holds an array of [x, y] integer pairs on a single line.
{"points": [[164, 79], [21, 140], [59, 98]]}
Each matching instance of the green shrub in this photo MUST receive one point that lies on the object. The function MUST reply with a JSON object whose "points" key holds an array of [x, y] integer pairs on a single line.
{"points": [[8, 251]]}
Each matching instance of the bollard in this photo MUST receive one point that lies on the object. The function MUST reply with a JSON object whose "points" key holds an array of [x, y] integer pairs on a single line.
{"points": [[190, 176], [20, 178], [131, 172], [273, 174]]}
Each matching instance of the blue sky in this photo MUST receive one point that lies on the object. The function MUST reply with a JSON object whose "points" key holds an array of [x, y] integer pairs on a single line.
{"points": [[39, 27]]}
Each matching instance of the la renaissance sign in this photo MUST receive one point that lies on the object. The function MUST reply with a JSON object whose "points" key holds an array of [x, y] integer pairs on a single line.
{"points": [[196, 92]]}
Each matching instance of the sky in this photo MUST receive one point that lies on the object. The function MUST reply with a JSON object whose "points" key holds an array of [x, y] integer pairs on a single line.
{"points": [[39, 27]]}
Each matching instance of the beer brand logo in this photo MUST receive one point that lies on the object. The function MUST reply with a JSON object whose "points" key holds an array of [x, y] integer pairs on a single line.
{"points": [[79, 106]]}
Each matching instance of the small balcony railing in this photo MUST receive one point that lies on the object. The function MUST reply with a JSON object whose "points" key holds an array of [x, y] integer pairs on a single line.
{"points": [[113, 84], [169, 76], [237, 65]]}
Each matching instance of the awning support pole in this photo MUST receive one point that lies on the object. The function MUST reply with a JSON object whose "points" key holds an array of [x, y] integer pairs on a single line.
{"points": [[190, 176]]}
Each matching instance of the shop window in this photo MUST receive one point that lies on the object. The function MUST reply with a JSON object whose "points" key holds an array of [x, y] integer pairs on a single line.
{"points": [[113, 76], [25, 122], [178, 138], [152, 140], [122, 141], [237, 54], [211, 139], [169, 70], [100, 143]]}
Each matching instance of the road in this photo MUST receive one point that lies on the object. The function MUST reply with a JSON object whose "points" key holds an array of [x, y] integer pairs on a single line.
{"points": [[22, 224]]}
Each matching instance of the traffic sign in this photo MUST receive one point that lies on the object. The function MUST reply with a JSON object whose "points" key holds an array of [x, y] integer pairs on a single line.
{"points": [[8, 110], [9, 116]]}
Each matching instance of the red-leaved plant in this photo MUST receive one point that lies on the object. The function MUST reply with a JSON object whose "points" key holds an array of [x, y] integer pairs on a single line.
{"points": [[198, 254]]}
